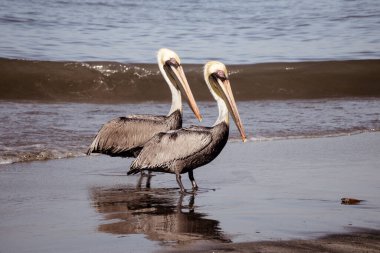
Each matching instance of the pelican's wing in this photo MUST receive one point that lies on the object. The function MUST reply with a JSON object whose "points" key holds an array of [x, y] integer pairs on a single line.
{"points": [[121, 135], [146, 116], [164, 148]]}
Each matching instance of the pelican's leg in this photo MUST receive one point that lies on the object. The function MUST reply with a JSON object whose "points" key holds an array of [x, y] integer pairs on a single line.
{"points": [[138, 186], [178, 177], [191, 177]]}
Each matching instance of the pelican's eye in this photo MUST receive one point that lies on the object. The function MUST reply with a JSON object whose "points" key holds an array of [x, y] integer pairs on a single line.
{"points": [[219, 75], [172, 62]]}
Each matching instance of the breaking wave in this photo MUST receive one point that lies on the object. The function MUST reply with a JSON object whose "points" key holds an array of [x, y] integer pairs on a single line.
{"points": [[113, 82]]}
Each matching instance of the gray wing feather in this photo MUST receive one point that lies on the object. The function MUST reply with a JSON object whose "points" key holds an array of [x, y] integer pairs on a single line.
{"points": [[122, 134], [146, 116], [164, 148]]}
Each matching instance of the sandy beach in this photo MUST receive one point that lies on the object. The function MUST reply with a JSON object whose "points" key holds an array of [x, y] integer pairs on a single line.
{"points": [[255, 197]]}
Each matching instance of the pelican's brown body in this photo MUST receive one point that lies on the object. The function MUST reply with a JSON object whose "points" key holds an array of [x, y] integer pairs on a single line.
{"points": [[181, 151], [126, 136]]}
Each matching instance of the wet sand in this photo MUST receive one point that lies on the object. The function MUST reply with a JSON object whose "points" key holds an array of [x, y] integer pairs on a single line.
{"points": [[255, 197], [359, 241]]}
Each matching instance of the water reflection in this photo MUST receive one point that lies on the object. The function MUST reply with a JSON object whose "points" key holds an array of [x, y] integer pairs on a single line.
{"points": [[160, 214]]}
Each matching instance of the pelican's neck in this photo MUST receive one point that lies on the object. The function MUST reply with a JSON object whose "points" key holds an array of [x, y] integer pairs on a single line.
{"points": [[176, 100], [176, 94], [223, 111], [222, 107]]}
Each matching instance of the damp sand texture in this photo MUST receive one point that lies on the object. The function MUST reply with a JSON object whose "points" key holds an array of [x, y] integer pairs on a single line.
{"points": [[271, 190]]}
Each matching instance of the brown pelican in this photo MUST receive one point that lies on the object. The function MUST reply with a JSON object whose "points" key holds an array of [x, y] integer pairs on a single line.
{"points": [[125, 136], [183, 150]]}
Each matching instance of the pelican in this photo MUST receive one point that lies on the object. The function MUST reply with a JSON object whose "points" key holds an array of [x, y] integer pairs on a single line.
{"points": [[183, 150], [125, 136]]}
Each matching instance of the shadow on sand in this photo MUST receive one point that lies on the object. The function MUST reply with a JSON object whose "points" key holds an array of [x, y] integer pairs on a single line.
{"points": [[158, 213]]}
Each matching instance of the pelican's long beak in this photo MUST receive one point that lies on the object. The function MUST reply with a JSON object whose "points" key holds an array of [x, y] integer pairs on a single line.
{"points": [[229, 99], [180, 74]]}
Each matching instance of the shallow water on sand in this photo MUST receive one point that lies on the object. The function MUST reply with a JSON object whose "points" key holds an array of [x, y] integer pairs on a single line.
{"points": [[41, 131], [274, 190]]}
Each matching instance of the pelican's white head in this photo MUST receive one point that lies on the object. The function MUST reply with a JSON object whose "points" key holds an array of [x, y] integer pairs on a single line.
{"points": [[164, 55], [214, 69], [171, 69]]}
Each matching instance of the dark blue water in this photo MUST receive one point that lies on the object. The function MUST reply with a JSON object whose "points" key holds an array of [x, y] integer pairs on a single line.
{"points": [[235, 32]]}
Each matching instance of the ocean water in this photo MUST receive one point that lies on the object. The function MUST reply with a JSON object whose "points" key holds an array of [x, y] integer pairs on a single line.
{"points": [[39, 131], [69, 66], [236, 32], [114, 82]]}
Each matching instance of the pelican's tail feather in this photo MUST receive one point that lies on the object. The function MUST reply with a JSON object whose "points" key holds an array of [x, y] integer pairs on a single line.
{"points": [[94, 146], [133, 169]]}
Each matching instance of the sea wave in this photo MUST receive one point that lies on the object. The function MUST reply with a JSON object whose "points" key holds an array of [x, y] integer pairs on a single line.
{"points": [[114, 82]]}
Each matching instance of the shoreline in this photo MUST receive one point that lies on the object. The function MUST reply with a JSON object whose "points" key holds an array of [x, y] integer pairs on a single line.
{"points": [[230, 140], [72, 126], [360, 240]]}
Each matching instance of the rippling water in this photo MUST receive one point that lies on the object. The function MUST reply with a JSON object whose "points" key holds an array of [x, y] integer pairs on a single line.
{"points": [[38, 131], [236, 32], [232, 31]]}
